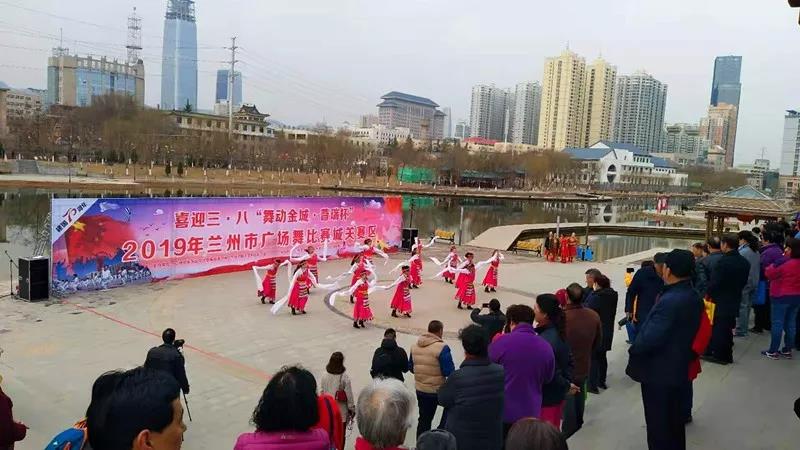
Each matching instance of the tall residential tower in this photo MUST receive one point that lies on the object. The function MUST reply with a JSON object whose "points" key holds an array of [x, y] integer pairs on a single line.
{"points": [[790, 149], [488, 112], [527, 103], [179, 56], [598, 101], [561, 113], [639, 110]]}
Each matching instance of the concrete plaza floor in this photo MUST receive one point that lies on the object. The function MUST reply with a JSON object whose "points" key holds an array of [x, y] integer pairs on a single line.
{"points": [[54, 353]]}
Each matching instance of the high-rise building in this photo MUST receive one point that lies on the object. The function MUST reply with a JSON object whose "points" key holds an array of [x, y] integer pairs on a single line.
{"points": [[368, 120], [3, 110], [726, 86], [720, 129], [527, 103], [462, 129], [488, 111], [75, 80], [639, 106], [222, 88], [448, 122], [179, 56], [561, 113], [684, 140], [418, 114], [598, 101], [726, 89], [790, 149]]}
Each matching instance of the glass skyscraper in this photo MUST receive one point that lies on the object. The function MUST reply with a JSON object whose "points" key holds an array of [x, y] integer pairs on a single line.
{"points": [[726, 87], [179, 60], [222, 87]]}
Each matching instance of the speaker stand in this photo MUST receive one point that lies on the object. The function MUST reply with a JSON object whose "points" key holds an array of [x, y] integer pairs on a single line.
{"points": [[10, 276]]}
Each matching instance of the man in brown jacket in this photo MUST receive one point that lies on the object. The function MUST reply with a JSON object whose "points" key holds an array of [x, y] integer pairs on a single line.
{"points": [[431, 363], [584, 335]]}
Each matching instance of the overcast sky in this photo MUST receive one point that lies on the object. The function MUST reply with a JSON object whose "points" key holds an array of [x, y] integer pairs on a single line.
{"points": [[308, 60]]}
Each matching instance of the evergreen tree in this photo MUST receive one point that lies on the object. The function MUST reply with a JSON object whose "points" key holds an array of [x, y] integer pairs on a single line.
{"points": [[180, 168]]}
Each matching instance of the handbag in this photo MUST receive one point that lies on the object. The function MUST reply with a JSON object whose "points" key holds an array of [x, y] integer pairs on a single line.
{"points": [[761, 293], [340, 395]]}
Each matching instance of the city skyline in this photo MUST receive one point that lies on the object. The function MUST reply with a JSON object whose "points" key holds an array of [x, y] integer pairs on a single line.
{"points": [[299, 81]]}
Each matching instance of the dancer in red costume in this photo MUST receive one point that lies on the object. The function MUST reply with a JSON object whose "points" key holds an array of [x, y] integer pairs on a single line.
{"points": [[361, 290], [401, 301], [311, 258], [465, 283], [298, 290], [573, 247], [564, 248], [268, 289], [452, 260], [415, 269], [490, 280], [368, 250]]}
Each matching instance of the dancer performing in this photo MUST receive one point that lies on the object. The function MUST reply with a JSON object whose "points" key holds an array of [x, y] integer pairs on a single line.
{"points": [[564, 248], [401, 301], [368, 250], [452, 260], [360, 290], [415, 271], [268, 286], [490, 280], [299, 288], [311, 258], [465, 295], [572, 241], [358, 265]]}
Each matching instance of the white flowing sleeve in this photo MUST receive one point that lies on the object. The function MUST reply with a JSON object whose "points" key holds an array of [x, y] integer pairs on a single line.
{"points": [[279, 304], [395, 283], [484, 263]]}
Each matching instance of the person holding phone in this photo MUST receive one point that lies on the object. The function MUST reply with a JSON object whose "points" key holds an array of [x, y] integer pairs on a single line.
{"points": [[493, 321]]}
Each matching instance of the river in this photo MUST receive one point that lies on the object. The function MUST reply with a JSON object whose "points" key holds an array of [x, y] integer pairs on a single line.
{"points": [[24, 217]]}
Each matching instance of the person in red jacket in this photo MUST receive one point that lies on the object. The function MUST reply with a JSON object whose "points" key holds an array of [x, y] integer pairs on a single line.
{"points": [[330, 419], [10, 430]]}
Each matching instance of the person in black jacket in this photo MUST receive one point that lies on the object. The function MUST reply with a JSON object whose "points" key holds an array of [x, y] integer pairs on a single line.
{"points": [[494, 321], [389, 360], [168, 358], [604, 301], [728, 278], [642, 293], [659, 357], [473, 395], [552, 328]]}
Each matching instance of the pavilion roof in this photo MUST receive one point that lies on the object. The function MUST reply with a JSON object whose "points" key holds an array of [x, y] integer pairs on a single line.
{"points": [[746, 200]]}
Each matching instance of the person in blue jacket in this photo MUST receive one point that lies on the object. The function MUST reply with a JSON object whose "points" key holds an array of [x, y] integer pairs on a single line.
{"points": [[642, 294]]}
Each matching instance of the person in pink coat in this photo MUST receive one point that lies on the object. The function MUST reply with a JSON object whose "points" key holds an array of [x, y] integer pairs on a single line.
{"points": [[286, 415]]}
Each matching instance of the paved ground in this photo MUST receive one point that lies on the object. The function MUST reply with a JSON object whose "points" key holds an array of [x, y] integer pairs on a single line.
{"points": [[54, 353]]}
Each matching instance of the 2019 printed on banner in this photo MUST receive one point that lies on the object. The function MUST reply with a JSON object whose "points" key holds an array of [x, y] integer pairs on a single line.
{"points": [[104, 243]]}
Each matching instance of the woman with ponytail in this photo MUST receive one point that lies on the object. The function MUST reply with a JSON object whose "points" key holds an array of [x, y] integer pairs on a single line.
{"points": [[551, 326]]}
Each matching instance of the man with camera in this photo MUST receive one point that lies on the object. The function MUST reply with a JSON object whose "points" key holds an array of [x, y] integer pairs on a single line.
{"points": [[494, 321], [167, 357]]}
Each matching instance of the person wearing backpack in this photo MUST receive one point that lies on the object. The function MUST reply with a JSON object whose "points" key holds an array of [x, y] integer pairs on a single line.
{"points": [[336, 382]]}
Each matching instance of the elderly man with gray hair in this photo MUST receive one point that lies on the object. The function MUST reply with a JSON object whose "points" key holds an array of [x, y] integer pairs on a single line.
{"points": [[384, 415]]}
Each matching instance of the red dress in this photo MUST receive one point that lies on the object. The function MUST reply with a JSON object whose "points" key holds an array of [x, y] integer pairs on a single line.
{"points": [[368, 253], [466, 290], [453, 263], [268, 288], [361, 310], [490, 280], [299, 295], [564, 249], [573, 248], [360, 268], [312, 264], [402, 297], [416, 271]]}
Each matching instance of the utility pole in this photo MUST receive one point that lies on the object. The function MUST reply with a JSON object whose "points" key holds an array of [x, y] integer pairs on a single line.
{"points": [[231, 76]]}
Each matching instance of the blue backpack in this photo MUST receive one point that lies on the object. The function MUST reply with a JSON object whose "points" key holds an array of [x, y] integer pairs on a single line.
{"points": [[74, 438]]}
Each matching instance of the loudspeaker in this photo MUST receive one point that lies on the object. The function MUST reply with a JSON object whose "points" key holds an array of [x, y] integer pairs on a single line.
{"points": [[34, 279], [409, 236]]}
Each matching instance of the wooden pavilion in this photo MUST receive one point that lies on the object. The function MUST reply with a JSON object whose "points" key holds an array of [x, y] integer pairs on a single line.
{"points": [[745, 203]]}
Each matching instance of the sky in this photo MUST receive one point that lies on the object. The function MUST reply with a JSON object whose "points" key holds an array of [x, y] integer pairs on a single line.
{"points": [[306, 61]]}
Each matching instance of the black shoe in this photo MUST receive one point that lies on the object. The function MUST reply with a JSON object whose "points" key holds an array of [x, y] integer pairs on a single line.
{"points": [[262, 300], [361, 322], [492, 290], [459, 306], [294, 313], [272, 302], [593, 390], [394, 313], [756, 330], [407, 315], [688, 420], [715, 360], [303, 311], [602, 385], [486, 289], [469, 306], [355, 324]]}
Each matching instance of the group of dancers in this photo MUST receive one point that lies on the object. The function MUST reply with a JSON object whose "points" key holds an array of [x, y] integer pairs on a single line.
{"points": [[564, 247], [461, 272]]}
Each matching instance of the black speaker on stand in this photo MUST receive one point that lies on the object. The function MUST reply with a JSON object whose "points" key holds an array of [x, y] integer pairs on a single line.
{"points": [[34, 278], [409, 237]]}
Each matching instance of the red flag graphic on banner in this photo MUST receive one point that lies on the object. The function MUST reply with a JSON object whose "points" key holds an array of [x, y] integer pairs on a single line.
{"points": [[97, 236]]}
